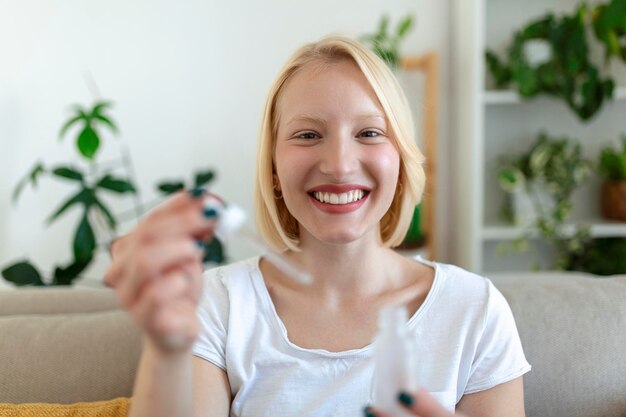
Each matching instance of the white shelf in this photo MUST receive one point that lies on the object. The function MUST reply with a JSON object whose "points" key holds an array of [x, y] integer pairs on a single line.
{"points": [[499, 97], [599, 228]]}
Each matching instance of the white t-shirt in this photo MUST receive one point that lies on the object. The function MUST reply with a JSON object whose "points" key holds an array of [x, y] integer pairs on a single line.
{"points": [[467, 342]]}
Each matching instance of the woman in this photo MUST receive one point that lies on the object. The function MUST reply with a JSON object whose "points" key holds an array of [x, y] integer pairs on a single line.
{"points": [[338, 175]]}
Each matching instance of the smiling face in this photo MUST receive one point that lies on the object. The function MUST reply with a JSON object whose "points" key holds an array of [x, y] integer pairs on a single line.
{"points": [[336, 163]]}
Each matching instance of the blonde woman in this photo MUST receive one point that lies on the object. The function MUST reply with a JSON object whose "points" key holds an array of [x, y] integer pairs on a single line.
{"points": [[338, 175]]}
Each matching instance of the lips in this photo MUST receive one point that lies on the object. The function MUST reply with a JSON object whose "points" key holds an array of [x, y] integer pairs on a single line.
{"points": [[339, 198]]}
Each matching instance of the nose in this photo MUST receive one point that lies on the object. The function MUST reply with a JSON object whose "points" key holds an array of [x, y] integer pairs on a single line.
{"points": [[339, 157]]}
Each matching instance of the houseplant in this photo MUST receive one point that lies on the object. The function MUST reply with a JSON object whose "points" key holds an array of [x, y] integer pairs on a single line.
{"points": [[90, 179], [612, 166], [386, 43], [555, 167], [566, 69]]}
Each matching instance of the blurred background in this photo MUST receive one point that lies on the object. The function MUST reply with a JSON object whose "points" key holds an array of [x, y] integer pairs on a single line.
{"points": [[528, 168], [187, 81]]}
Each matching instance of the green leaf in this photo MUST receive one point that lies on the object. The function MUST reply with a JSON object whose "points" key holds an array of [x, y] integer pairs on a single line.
{"points": [[511, 179], [23, 273], [404, 26], [117, 185], [31, 177], [84, 196], [84, 240], [383, 26], [88, 142], [203, 178], [110, 219], [99, 106], [214, 252], [72, 121], [106, 121], [65, 276], [170, 187], [69, 173]]}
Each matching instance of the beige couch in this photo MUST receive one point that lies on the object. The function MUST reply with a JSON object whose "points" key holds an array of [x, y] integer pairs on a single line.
{"points": [[70, 345]]}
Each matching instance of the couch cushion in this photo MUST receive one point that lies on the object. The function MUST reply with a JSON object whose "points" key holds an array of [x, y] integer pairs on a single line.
{"points": [[113, 408], [573, 329], [67, 358], [55, 300]]}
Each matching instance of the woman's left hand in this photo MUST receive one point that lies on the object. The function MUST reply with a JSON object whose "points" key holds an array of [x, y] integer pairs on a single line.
{"points": [[419, 403]]}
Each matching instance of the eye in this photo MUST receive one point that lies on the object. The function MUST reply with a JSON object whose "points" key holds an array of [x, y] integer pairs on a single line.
{"points": [[370, 134], [307, 135]]}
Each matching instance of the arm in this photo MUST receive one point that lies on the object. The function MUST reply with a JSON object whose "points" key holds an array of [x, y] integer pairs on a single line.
{"points": [[181, 385], [157, 274], [502, 400]]}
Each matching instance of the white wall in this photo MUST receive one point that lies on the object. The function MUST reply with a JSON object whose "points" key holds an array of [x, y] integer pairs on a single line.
{"points": [[188, 80]]}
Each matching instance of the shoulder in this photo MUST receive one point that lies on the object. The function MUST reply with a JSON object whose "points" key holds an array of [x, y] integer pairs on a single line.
{"points": [[460, 282], [224, 280], [229, 273], [468, 291]]}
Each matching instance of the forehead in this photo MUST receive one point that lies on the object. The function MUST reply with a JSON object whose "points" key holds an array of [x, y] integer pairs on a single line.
{"points": [[328, 88]]}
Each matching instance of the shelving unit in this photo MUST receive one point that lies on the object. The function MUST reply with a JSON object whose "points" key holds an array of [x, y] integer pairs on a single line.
{"points": [[491, 123]]}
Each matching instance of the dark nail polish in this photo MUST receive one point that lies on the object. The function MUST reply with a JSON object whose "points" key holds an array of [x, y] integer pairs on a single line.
{"points": [[197, 192], [406, 399], [367, 411], [210, 213]]}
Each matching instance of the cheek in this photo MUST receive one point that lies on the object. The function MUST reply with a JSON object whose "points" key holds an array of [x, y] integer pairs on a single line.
{"points": [[290, 164], [386, 164]]}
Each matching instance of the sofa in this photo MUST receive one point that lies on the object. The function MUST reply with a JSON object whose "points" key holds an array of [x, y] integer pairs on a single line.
{"points": [[74, 345]]}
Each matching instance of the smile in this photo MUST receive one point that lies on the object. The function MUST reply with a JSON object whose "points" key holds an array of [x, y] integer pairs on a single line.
{"points": [[339, 199]]}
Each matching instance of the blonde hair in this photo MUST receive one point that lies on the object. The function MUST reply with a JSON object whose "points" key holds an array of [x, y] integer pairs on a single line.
{"points": [[274, 221]]}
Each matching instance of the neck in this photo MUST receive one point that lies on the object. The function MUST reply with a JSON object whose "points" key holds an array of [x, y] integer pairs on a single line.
{"points": [[359, 269]]}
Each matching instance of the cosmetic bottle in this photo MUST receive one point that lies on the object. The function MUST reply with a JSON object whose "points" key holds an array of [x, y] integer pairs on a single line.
{"points": [[231, 222], [394, 361]]}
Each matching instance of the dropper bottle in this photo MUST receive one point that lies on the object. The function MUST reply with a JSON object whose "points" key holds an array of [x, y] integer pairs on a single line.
{"points": [[394, 360], [231, 221]]}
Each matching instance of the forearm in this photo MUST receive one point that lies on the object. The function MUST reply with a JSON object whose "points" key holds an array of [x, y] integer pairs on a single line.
{"points": [[163, 387]]}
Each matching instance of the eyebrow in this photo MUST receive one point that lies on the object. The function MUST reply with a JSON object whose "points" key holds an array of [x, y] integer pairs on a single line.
{"points": [[321, 120]]}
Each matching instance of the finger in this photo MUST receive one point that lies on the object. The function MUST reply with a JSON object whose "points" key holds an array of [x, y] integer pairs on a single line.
{"points": [[422, 404], [153, 262], [194, 273], [419, 403], [157, 294], [192, 220]]}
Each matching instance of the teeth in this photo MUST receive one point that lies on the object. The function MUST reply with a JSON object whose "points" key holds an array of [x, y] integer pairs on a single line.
{"points": [[343, 198]]}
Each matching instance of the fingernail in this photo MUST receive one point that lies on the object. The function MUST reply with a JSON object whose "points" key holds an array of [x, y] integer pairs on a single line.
{"points": [[406, 399], [209, 212], [368, 412], [197, 192], [200, 244]]}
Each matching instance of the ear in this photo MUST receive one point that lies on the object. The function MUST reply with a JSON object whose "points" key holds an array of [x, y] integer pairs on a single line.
{"points": [[275, 182]]}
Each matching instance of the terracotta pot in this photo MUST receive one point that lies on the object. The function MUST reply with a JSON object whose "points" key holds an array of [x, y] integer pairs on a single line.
{"points": [[614, 200]]}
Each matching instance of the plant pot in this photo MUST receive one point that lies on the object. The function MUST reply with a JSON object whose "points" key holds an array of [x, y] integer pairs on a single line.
{"points": [[524, 208], [614, 200]]}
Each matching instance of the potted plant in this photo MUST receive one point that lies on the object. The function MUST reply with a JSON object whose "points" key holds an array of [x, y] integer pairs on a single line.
{"points": [[613, 194], [544, 178], [91, 180], [564, 68]]}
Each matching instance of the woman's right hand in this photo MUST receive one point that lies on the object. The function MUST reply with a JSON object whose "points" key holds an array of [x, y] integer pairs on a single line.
{"points": [[156, 271]]}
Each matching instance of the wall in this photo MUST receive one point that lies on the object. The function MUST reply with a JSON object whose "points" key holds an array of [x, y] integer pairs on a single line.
{"points": [[188, 80]]}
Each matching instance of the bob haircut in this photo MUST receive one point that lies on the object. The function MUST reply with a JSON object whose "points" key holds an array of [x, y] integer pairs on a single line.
{"points": [[274, 221]]}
